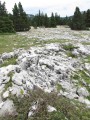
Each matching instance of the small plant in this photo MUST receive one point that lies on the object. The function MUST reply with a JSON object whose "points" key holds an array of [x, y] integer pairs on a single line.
{"points": [[9, 83], [7, 62], [70, 54], [87, 59], [69, 47], [84, 76], [22, 92], [59, 87], [76, 77]]}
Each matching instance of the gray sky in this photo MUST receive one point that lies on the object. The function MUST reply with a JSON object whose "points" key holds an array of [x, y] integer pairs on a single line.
{"points": [[62, 7]]}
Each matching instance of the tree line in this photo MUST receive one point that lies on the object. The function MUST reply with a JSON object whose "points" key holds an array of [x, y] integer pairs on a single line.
{"points": [[42, 20], [20, 21]]}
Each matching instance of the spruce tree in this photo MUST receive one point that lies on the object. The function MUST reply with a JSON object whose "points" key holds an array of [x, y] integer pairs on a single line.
{"points": [[57, 19], [6, 25], [20, 19], [52, 21], [78, 22], [46, 21], [88, 18], [16, 17]]}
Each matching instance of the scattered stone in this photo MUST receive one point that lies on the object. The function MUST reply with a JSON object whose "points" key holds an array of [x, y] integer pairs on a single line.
{"points": [[83, 92], [51, 109], [7, 107], [33, 109], [6, 94]]}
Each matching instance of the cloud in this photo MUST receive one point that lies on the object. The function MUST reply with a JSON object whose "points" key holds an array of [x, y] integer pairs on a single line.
{"points": [[62, 7]]}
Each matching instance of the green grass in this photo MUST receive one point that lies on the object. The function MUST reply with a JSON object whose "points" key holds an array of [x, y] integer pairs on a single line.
{"points": [[66, 108], [86, 43], [84, 76], [81, 75], [68, 47], [8, 42], [87, 59], [11, 61], [70, 54], [55, 41], [76, 77], [59, 87], [9, 83]]}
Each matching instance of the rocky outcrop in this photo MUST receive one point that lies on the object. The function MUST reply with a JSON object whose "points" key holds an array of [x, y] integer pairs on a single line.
{"points": [[45, 68]]}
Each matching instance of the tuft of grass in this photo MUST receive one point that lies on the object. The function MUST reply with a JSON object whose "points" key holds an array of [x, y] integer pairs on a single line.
{"points": [[8, 33], [86, 43], [70, 54], [76, 77], [59, 87], [7, 62], [84, 76], [55, 41], [9, 83], [69, 47], [87, 59], [22, 92]]}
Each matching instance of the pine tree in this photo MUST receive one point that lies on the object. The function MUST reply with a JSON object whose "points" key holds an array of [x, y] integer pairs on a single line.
{"points": [[6, 24], [52, 21], [3, 11], [16, 17], [88, 18], [57, 19], [46, 21], [20, 19], [77, 21]]}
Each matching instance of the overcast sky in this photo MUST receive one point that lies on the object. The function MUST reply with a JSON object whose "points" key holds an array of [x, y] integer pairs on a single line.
{"points": [[62, 7]]}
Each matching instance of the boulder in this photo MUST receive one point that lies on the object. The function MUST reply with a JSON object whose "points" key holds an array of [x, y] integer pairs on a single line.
{"points": [[7, 108], [6, 94], [75, 52], [82, 92], [87, 66], [7, 55], [51, 109]]}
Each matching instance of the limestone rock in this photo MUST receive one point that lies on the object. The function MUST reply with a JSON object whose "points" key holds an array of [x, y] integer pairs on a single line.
{"points": [[51, 109], [7, 107], [6, 94], [83, 92]]}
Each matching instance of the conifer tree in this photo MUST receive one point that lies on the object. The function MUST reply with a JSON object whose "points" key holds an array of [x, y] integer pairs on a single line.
{"points": [[20, 19], [88, 18], [52, 21], [78, 22], [46, 21], [6, 24], [57, 19]]}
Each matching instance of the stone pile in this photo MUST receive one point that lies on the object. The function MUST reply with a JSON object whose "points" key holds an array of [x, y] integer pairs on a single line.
{"points": [[43, 67]]}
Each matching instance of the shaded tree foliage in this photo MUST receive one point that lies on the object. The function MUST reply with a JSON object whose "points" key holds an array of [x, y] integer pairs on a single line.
{"points": [[6, 25], [52, 21], [20, 19], [42, 19], [88, 18], [77, 22]]}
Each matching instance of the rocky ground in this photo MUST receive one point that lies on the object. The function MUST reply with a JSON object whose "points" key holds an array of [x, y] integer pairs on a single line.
{"points": [[62, 68]]}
